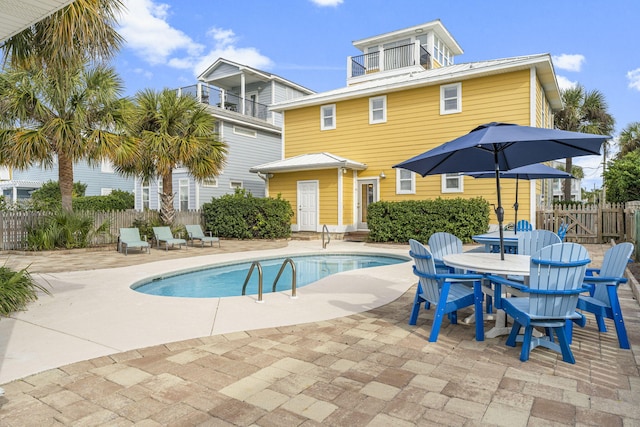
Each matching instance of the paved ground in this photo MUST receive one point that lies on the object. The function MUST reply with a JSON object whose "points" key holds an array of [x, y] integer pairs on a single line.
{"points": [[366, 369]]}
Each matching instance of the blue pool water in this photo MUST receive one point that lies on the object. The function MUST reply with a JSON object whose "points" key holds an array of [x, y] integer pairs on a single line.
{"points": [[227, 280]]}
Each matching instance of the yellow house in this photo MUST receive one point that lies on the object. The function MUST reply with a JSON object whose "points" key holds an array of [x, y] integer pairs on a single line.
{"points": [[404, 96]]}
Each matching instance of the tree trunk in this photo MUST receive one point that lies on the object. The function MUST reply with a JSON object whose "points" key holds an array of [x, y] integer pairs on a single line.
{"points": [[167, 212], [65, 180], [567, 182]]}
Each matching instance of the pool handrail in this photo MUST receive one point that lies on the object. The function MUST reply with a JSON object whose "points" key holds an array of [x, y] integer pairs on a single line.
{"points": [[244, 287], [293, 278], [324, 245]]}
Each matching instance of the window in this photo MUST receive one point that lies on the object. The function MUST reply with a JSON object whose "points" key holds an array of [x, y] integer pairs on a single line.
{"points": [[405, 182], [452, 183], [106, 166], [210, 182], [244, 131], [441, 52], [183, 193], [378, 109], [328, 117], [105, 191], [451, 98], [145, 194], [235, 184]]}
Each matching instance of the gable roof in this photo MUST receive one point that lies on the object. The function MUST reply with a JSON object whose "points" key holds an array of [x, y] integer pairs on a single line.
{"points": [[451, 73], [309, 162], [252, 74]]}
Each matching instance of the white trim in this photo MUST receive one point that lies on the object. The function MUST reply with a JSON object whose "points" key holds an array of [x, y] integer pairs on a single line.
{"points": [[244, 131], [106, 166], [443, 100], [181, 181], [322, 117], [205, 185], [340, 195], [105, 191], [444, 188], [532, 98], [399, 189], [373, 121], [354, 207], [235, 181]]}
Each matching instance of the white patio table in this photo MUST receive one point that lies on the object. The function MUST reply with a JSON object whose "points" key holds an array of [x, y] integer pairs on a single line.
{"points": [[483, 262]]}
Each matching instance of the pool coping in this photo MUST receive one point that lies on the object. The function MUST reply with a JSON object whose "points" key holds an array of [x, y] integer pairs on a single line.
{"points": [[95, 313]]}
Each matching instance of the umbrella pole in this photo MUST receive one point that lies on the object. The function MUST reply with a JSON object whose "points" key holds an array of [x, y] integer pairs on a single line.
{"points": [[499, 209], [515, 206]]}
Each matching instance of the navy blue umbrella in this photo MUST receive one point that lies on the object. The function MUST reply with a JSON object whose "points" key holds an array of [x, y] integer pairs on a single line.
{"points": [[503, 146], [536, 171]]}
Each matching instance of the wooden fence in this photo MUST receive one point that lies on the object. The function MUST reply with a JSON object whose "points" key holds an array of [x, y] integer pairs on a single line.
{"points": [[592, 223], [14, 225]]}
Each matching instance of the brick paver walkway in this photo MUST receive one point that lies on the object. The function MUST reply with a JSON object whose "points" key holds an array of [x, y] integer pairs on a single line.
{"points": [[369, 369]]}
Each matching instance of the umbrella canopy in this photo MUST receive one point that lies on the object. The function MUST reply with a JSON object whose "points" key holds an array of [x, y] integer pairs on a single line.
{"points": [[503, 146], [536, 171]]}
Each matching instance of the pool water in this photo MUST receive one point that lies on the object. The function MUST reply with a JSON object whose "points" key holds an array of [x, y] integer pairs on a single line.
{"points": [[227, 280]]}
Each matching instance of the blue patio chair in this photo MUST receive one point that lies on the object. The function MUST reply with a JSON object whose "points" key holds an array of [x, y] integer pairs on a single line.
{"points": [[530, 242], [441, 244], [555, 282], [444, 291], [195, 233], [523, 225], [130, 238], [562, 231], [603, 296], [163, 234]]}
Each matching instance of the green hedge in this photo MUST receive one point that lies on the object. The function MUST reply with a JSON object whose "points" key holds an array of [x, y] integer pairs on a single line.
{"points": [[242, 216], [118, 200], [419, 219]]}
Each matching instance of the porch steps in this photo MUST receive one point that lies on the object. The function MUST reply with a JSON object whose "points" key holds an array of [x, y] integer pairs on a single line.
{"points": [[356, 236]]}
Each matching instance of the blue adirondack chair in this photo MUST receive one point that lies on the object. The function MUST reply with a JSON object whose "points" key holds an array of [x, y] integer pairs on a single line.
{"points": [[562, 231], [523, 225], [444, 291], [530, 242], [603, 296], [441, 244], [555, 282]]}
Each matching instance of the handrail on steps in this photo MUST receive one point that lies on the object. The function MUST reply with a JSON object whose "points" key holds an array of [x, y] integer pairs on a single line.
{"points": [[293, 278], [244, 287], [324, 245]]}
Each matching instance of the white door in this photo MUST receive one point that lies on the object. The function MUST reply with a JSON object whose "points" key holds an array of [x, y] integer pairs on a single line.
{"points": [[367, 194], [307, 205]]}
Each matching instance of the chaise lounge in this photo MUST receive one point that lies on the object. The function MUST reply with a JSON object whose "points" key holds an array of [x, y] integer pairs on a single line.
{"points": [[163, 234], [130, 238], [196, 233]]}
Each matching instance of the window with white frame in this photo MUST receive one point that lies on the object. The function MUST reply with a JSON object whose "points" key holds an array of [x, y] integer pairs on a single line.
{"points": [[378, 109], [106, 191], [235, 184], [106, 166], [405, 182], [238, 130], [183, 193], [451, 98], [210, 182], [441, 52], [145, 194], [452, 183], [328, 117]]}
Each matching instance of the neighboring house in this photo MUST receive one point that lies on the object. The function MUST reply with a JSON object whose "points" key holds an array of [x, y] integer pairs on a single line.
{"points": [[100, 180], [553, 189], [404, 96], [239, 98]]}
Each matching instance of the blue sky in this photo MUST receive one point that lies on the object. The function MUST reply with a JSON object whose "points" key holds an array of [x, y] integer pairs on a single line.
{"points": [[593, 43]]}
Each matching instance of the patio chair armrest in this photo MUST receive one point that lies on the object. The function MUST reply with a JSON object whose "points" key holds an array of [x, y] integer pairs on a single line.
{"points": [[499, 280], [461, 277], [591, 271], [556, 291], [604, 280]]}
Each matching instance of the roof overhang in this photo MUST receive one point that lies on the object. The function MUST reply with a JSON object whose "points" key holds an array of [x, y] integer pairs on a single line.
{"points": [[305, 162], [17, 16], [453, 73]]}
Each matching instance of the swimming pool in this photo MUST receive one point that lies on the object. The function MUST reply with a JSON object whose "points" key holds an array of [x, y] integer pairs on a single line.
{"points": [[227, 280]]}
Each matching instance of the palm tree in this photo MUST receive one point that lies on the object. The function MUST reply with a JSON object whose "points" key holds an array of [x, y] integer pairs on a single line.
{"points": [[42, 121], [629, 139], [584, 111], [83, 30], [171, 131]]}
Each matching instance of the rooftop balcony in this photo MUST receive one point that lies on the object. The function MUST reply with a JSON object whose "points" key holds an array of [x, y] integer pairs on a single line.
{"points": [[394, 58]]}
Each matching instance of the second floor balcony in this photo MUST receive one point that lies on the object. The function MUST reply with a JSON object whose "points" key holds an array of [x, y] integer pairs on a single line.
{"points": [[227, 100], [388, 59]]}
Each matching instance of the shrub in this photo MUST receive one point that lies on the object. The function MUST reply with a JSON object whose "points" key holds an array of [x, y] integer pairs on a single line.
{"points": [[146, 226], [62, 230], [419, 219], [17, 288], [243, 216], [118, 200], [48, 197]]}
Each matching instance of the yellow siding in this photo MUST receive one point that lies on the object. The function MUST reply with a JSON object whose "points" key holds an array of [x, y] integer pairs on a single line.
{"points": [[414, 125]]}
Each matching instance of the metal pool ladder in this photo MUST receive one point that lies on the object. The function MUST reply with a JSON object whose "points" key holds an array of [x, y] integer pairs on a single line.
{"points": [[257, 264], [324, 245]]}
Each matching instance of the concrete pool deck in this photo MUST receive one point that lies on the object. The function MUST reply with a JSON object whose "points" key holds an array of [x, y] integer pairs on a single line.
{"points": [[358, 364]]}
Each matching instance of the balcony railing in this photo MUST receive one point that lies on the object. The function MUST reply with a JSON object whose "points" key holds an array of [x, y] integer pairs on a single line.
{"points": [[215, 97], [389, 59]]}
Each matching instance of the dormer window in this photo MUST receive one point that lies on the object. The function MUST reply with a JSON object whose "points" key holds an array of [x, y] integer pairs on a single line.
{"points": [[441, 52]]}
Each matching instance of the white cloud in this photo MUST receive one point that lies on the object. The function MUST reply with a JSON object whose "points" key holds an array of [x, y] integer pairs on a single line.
{"points": [[146, 30], [634, 79], [323, 3], [145, 73], [565, 83], [569, 62]]}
